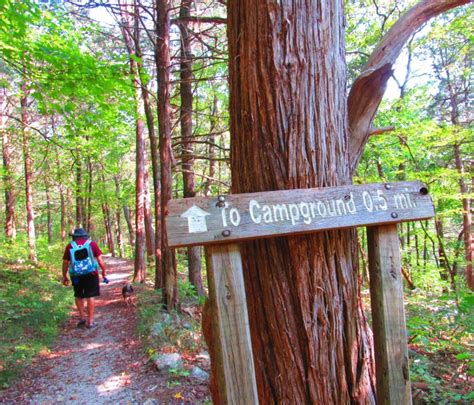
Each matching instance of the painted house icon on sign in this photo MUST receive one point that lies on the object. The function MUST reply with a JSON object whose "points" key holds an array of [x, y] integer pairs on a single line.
{"points": [[196, 219]]}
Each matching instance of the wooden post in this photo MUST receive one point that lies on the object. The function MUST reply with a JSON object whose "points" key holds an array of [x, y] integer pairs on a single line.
{"points": [[386, 291], [235, 367], [220, 222]]}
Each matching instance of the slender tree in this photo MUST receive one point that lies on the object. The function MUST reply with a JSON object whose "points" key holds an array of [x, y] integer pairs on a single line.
{"points": [[162, 60], [187, 155], [129, 29], [8, 181], [28, 165]]}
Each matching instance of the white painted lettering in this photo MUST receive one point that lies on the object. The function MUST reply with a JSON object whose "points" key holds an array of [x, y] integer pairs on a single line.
{"points": [[322, 209], [383, 203], [312, 205], [351, 207], [224, 221], [280, 209], [254, 204], [341, 207], [267, 214], [234, 216], [294, 213], [331, 206], [367, 199], [401, 201], [304, 210]]}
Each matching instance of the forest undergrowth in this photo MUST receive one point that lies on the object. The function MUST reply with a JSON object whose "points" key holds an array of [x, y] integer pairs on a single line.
{"points": [[33, 307]]}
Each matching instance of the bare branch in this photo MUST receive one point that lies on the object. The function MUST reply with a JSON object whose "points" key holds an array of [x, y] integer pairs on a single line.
{"points": [[369, 88], [382, 130]]}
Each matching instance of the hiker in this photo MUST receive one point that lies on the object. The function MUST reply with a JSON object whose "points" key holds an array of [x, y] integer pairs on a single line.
{"points": [[81, 259]]}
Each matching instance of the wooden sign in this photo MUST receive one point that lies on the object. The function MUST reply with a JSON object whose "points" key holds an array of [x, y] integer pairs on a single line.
{"points": [[224, 219]]}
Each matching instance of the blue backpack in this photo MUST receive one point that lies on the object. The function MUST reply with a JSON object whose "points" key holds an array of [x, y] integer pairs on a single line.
{"points": [[82, 259]]}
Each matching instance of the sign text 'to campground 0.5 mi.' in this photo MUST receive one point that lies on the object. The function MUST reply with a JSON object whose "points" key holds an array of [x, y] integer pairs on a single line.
{"points": [[202, 221]]}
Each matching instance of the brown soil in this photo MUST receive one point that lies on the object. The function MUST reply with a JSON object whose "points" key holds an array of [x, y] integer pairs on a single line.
{"points": [[103, 365]]}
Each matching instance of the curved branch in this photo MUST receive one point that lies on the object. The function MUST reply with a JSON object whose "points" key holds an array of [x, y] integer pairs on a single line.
{"points": [[369, 88]]}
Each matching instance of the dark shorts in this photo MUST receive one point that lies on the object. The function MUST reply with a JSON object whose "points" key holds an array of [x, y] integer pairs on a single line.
{"points": [[86, 286]]}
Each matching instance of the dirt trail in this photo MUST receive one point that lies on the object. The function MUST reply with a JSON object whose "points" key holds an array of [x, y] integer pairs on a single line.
{"points": [[103, 365]]}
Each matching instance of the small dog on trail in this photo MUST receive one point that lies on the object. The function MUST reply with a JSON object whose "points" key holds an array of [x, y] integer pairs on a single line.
{"points": [[127, 291]]}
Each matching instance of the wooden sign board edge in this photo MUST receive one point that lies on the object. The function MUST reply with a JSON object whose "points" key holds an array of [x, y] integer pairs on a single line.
{"points": [[220, 239], [223, 240]]}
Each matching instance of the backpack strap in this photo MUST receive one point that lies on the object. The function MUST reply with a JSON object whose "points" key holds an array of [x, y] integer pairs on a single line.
{"points": [[88, 242]]}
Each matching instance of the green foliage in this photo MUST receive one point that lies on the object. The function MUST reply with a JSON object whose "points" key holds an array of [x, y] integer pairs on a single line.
{"points": [[440, 330], [33, 304], [164, 331]]}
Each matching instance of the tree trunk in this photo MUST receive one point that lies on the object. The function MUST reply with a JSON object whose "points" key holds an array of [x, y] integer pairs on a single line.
{"points": [[69, 215], [108, 228], [187, 156], [445, 268], [212, 148], [129, 19], [8, 181], [155, 159], [162, 60], [140, 263], [310, 338], [131, 33], [128, 220], [48, 211], [63, 212], [149, 231], [88, 203], [118, 219], [466, 216], [79, 198], [30, 216]]}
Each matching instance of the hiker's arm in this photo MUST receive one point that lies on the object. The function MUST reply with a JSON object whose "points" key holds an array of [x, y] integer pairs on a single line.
{"points": [[101, 262], [65, 268]]}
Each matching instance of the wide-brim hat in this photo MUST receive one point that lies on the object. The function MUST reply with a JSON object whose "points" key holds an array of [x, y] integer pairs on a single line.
{"points": [[79, 233]]}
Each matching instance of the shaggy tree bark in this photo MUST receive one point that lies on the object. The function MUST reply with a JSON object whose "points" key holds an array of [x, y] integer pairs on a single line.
{"points": [[162, 60], [49, 216], [129, 29], [289, 130], [187, 155], [8, 181], [79, 198], [369, 88], [28, 164], [310, 339]]}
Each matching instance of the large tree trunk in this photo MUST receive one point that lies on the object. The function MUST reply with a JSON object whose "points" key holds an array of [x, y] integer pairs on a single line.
{"points": [[162, 60], [310, 339], [8, 181], [28, 163], [140, 263], [187, 159]]}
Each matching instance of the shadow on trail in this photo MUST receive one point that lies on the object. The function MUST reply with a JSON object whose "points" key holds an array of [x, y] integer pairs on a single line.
{"points": [[93, 366]]}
